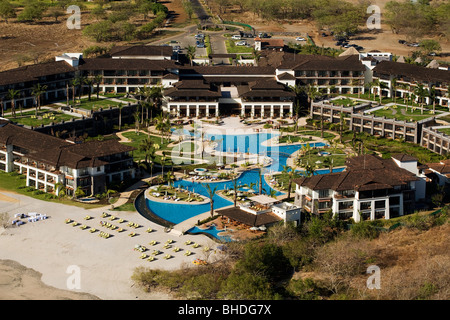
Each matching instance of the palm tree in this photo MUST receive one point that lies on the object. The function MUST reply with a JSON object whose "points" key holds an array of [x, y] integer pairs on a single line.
{"points": [[404, 86], [137, 116], [235, 188], [310, 169], [146, 145], [394, 89], [1, 106], [356, 83], [289, 173], [59, 189], [190, 53], [163, 162], [75, 83], [162, 125], [12, 95], [313, 93], [421, 93], [120, 106], [211, 193], [90, 83], [156, 95], [260, 172], [432, 95], [341, 126], [81, 81], [369, 86], [37, 91], [67, 93], [97, 80], [377, 84], [170, 178], [256, 55], [328, 161]]}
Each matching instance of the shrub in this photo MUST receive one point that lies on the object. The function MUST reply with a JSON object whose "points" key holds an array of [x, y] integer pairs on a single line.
{"points": [[365, 229], [266, 260], [306, 289]]}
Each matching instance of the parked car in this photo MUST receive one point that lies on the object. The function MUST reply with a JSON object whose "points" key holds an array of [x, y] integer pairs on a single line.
{"points": [[200, 44], [300, 39], [263, 35], [402, 41], [199, 36], [176, 48], [414, 44], [236, 37], [241, 43]]}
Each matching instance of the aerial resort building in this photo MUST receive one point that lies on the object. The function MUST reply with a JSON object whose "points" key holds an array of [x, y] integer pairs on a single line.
{"points": [[369, 188], [50, 163], [262, 211], [399, 79]]}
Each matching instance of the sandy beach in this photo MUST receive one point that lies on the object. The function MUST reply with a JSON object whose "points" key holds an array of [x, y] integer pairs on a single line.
{"points": [[53, 249]]}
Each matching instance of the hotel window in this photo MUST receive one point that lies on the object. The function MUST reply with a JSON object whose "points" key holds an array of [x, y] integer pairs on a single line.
{"points": [[324, 193], [366, 205]]}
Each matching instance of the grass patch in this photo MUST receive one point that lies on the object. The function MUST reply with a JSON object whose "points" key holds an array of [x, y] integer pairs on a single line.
{"points": [[233, 48], [15, 182], [388, 147], [137, 140], [400, 113], [95, 104], [44, 117]]}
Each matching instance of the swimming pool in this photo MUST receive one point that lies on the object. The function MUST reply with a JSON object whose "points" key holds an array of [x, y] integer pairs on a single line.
{"points": [[253, 143], [213, 231], [176, 213]]}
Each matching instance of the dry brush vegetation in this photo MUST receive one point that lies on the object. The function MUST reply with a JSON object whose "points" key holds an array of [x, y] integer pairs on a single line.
{"points": [[322, 260]]}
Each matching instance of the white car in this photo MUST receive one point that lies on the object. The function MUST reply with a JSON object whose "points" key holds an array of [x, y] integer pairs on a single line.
{"points": [[241, 43], [300, 39], [236, 37]]}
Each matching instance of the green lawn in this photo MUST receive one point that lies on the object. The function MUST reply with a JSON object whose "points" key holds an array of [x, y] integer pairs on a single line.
{"points": [[326, 135], [400, 113], [347, 102], [388, 147], [233, 48], [137, 141], [445, 130], [95, 104], [15, 182], [44, 117], [337, 155]]}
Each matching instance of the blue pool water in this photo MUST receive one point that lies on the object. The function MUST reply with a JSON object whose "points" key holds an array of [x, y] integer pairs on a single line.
{"points": [[177, 213], [212, 231], [252, 143]]}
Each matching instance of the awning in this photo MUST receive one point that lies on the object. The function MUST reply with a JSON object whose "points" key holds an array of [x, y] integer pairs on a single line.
{"points": [[263, 199]]}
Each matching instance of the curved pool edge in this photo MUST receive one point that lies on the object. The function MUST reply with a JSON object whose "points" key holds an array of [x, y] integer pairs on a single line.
{"points": [[209, 235], [141, 207]]}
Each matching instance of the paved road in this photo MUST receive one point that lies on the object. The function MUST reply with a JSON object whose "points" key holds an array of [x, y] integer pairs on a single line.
{"points": [[199, 10]]}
